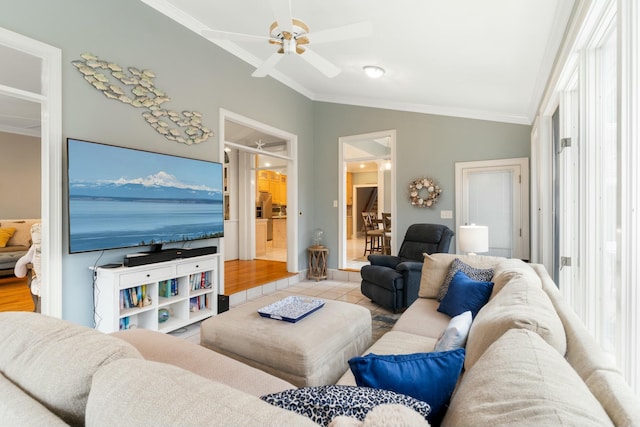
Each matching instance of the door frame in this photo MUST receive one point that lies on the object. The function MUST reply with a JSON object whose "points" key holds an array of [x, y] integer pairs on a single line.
{"points": [[247, 187], [522, 244], [50, 100], [342, 189]]}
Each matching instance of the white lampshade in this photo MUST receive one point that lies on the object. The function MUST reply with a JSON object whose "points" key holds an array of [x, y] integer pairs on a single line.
{"points": [[473, 238]]}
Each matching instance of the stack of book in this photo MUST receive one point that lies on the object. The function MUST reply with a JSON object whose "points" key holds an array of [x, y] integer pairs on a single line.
{"points": [[200, 280], [124, 323], [168, 288], [134, 297], [202, 302]]}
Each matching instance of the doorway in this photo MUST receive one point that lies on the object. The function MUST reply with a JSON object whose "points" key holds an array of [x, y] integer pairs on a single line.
{"points": [[504, 209], [49, 96], [365, 161], [252, 146]]}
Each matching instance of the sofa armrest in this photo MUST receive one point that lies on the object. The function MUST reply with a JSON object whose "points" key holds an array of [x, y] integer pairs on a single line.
{"points": [[389, 261], [412, 273]]}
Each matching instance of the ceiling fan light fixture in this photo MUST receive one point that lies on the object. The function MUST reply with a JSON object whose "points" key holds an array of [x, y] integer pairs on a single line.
{"points": [[373, 71]]}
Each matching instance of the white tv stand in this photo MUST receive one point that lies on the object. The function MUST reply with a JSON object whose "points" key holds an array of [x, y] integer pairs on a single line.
{"points": [[135, 297]]}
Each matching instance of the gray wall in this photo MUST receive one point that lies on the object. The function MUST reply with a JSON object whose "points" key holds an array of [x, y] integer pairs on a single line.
{"points": [[426, 145], [19, 176], [194, 73], [199, 76]]}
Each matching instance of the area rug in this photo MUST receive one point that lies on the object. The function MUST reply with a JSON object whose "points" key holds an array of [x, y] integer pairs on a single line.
{"points": [[381, 324]]}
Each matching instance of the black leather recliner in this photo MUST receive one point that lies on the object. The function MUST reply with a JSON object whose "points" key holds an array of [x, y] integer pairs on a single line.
{"points": [[394, 281]]}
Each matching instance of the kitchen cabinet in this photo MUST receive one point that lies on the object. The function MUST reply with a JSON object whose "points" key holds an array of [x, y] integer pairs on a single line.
{"points": [[349, 188], [275, 183], [280, 233], [263, 181], [261, 237]]}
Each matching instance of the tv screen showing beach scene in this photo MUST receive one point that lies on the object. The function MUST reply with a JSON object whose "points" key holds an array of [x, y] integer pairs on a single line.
{"points": [[121, 197]]}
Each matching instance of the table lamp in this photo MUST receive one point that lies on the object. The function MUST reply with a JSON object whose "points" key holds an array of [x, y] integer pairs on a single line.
{"points": [[473, 238]]}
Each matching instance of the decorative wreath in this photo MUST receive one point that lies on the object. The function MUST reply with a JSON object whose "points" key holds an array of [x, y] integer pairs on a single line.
{"points": [[424, 192]]}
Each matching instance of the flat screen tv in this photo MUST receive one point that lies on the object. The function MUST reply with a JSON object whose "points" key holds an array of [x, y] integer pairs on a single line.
{"points": [[121, 197]]}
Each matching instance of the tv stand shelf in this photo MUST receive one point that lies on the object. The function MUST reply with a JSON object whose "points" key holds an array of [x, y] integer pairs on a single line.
{"points": [[142, 296]]}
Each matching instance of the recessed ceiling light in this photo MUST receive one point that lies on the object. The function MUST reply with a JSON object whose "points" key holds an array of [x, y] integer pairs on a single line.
{"points": [[373, 71], [361, 165]]}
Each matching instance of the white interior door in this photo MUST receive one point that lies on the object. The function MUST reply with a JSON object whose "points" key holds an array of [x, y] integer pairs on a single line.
{"points": [[495, 193]]}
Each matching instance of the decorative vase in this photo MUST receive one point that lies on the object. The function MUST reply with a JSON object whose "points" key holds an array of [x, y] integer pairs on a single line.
{"points": [[163, 315]]}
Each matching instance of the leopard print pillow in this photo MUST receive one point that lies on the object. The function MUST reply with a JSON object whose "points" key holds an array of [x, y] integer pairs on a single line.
{"points": [[477, 274], [323, 403]]}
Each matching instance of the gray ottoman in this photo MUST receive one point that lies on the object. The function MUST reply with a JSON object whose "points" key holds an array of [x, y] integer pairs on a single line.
{"points": [[314, 351]]}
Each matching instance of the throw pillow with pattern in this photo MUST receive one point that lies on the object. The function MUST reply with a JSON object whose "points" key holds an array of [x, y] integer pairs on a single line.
{"points": [[323, 403], [478, 274]]}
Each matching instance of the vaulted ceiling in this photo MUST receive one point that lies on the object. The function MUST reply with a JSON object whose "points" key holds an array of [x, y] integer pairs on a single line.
{"points": [[485, 59]]}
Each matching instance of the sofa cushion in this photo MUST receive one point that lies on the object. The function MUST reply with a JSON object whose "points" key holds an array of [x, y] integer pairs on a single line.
{"points": [[5, 235], [434, 269], [18, 408], [324, 403], [479, 274], [465, 294], [133, 392], [584, 353], [519, 305], [510, 268], [436, 266], [521, 381], [22, 236], [618, 399], [455, 336], [423, 318], [394, 342], [389, 414], [54, 360], [430, 377], [165, 348]]}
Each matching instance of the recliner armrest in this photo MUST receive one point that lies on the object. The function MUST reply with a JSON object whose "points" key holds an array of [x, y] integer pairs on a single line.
{"points": [[409, 266], [390, 261], [412, 273]]}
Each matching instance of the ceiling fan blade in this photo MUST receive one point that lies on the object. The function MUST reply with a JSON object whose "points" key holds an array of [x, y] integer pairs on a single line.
{"points": [[227, 35], [267, 65], [350, 31], [282, 11], [323, 65]]}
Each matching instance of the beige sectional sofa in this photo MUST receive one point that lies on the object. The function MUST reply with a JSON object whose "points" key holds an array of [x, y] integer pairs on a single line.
{"points": [[55, 373], [529, 361]]}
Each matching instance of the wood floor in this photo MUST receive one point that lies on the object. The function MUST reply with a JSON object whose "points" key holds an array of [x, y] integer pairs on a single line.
{"points": [[243, 275], [15, 294], [238, 276]]}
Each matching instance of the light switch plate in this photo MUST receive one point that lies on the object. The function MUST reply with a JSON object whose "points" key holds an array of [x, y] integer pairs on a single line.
{"points": [[335, 203], [446, 214]]}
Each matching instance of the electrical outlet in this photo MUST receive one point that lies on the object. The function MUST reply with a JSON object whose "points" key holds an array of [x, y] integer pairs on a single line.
{"points": [[446, 214]]}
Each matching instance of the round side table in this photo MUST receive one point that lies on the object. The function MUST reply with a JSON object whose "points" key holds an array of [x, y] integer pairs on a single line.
{"points": [[317, 262]]}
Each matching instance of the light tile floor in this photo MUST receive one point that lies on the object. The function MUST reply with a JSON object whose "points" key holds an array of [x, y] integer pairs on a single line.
{"points": [[355, 257], [327, 289]]}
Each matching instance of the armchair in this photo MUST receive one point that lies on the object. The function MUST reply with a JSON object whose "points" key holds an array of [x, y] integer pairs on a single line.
{"points": [[394, 281]]}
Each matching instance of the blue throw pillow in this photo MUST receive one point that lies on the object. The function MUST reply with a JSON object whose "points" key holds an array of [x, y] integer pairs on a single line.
{"points": [[465, 294], [430, 377]]}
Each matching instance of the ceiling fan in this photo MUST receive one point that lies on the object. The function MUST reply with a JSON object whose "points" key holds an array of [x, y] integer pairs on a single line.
{"points": [[292, 36]]}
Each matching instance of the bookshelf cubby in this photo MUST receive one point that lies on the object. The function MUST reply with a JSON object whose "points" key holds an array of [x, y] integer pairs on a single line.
{"points": [[136, 297]]}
